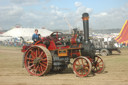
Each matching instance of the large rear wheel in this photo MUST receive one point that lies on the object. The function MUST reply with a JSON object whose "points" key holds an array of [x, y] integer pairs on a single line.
{"points": [[38, 60], [82, 66]]}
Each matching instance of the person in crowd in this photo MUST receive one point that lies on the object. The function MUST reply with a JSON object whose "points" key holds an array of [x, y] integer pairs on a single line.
{"points": [[39, 36], [35, 36]]}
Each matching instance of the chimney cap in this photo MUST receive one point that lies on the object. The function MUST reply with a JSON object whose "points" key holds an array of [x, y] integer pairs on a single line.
{"points": [[85, 15]]}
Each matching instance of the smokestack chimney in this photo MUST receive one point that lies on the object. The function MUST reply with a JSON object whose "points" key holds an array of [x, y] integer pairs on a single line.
{"points": [[85, 17], [88, 49]]}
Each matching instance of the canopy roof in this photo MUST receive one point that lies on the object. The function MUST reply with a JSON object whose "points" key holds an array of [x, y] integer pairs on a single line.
{"points": [[123, 35], [26, 32]]}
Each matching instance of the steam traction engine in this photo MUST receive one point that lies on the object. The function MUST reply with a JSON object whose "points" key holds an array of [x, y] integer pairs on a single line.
{"points": [[53, 53]]}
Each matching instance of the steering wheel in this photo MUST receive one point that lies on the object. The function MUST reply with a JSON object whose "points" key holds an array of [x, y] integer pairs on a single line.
{"points": [[57, 35]]}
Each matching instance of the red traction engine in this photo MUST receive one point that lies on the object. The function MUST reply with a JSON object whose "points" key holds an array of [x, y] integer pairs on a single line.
{"points": [[53, 53]]}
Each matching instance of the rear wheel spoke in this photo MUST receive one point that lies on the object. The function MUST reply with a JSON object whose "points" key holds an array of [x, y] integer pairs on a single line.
{"points": [[33, 55], [40, 54], [43, 65], [36, 52], [31, 66], [44, 59], [29, 59]]}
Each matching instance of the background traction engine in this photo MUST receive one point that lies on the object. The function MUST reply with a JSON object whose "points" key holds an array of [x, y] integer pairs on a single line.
{"points": [[53, 53]]}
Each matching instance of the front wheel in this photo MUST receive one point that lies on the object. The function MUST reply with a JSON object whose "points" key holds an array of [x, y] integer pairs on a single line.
{"points": [[82, 66], [98, 65]]}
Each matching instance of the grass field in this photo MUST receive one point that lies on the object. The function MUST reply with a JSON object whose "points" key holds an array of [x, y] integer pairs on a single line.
{"points": [[12, 73]]}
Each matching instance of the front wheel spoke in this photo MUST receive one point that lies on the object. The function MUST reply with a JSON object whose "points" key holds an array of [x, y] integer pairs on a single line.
{"points": [[76, 64], [78, 61], [79, 72], [82, 61], [86, 69], [97, 64], [100, 68], [94, 68], [100, 61], [86, 65], [100, 65], [77, 68], [97, 69], [82, 72], [97, 59]]}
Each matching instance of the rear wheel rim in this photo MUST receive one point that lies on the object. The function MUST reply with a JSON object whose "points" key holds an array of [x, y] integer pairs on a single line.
{"points": [[36, 61]]}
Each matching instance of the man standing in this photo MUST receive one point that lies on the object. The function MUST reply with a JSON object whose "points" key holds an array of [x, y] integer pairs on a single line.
{"points": [[35, 36]]}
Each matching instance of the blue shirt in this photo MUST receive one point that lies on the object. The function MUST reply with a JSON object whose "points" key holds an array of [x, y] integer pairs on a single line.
{"points": [[35, 36]]}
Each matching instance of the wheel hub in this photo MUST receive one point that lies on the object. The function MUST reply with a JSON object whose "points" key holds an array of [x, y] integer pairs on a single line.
{"points": [[80, 67], [37, 60]]}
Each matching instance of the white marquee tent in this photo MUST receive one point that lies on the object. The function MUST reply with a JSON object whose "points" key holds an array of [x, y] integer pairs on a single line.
{"points": [[26, 33]]}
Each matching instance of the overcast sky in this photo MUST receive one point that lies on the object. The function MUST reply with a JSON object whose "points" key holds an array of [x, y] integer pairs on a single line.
{"points": [[104, 14]]}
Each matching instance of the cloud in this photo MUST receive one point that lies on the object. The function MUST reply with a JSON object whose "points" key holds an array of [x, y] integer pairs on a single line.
{"points": [[74, 17], [77, 4], [57, 11], [24, 2], [113, 18], [10, 15], [81, 8], [102, 14], [53, 17]]}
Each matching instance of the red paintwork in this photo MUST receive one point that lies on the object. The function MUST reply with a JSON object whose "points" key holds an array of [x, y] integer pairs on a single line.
{"points": [[24, 48], [54, 45], [73, 39]]}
